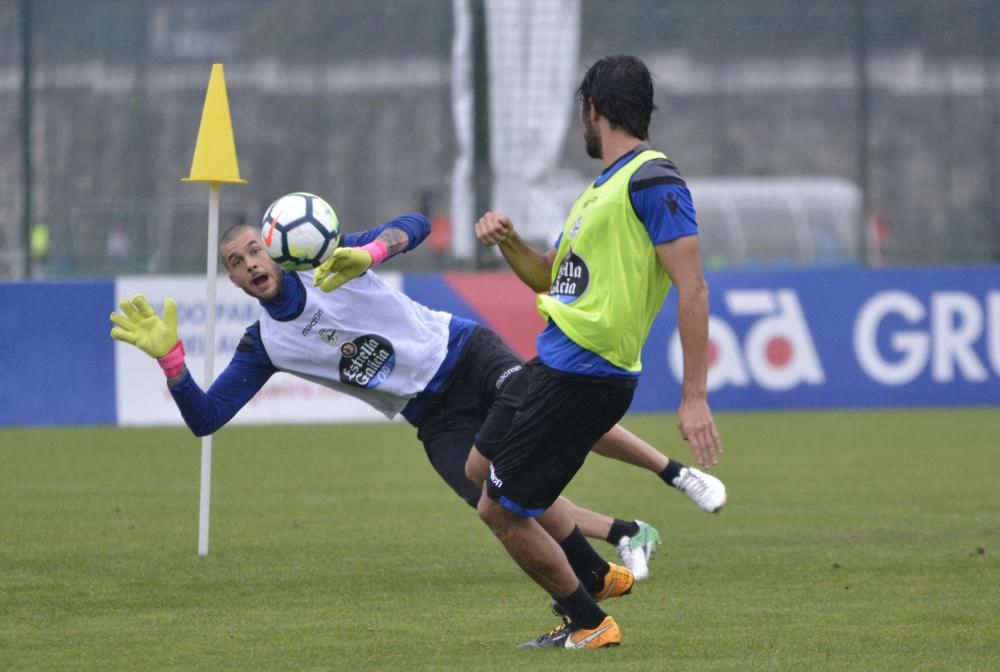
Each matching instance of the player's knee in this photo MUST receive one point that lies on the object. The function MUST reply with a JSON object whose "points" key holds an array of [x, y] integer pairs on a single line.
{"points": [[476, 467], [475, 473], [490, 512]]}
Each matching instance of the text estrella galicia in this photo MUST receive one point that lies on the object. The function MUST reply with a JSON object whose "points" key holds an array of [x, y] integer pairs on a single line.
{"points": [[572, 278], [366, 361]]}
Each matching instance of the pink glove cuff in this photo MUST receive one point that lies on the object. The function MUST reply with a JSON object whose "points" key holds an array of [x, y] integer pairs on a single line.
{"points": [[172, 363], [378, 251]]}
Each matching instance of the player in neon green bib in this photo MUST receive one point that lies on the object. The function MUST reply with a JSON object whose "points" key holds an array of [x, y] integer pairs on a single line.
{"points": [[629, 237]]}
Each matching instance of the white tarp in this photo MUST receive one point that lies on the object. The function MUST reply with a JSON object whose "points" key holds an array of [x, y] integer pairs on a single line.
{"points": [[533, 64], [533, 48], [462, 112], [142, 396]]}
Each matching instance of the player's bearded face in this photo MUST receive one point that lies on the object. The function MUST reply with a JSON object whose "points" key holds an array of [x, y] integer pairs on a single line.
{"points": [[591, 137], [250, 267]]}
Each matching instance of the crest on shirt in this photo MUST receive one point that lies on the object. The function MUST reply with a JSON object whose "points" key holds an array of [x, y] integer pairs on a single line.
{"points": [[670, 200], [572, 278], [329, 336], [575, 229], [366, 361]]}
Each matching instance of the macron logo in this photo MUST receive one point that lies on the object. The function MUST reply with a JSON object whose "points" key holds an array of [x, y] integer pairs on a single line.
{"points": [[313, 322], [507, 374], [493, 478]]}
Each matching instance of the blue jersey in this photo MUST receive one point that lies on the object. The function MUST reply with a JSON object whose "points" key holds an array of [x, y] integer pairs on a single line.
{"points": [[662, 202]]}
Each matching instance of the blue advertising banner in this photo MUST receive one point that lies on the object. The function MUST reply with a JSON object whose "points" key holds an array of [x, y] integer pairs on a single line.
{"points": [[58, 365], [839, 339], [843, 338]]}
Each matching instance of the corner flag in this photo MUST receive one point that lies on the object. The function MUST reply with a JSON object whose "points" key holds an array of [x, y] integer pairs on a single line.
{"points": [[214, 162]]}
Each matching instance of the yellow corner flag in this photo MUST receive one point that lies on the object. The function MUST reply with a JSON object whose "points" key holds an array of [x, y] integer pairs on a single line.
{"points": [[215, 150]]}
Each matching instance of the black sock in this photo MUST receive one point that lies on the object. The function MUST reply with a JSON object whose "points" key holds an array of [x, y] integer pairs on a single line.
{"points": [[587, 564], [582, 609], [671, 471], [622, 528]]}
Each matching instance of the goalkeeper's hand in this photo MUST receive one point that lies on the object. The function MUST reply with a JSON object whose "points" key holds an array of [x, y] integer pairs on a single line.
{"points": [[345, 264], [143, 328]]}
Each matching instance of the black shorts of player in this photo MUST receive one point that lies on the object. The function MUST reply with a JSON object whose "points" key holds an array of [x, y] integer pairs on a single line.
{"points": [[451, 421], [541, 429]]}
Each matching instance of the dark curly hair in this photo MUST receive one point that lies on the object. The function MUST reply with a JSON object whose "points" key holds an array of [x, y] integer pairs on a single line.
{"points": [[621, 89]]}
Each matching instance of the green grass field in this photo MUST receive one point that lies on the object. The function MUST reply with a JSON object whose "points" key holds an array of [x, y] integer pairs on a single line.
{"points": [[852, 541]]}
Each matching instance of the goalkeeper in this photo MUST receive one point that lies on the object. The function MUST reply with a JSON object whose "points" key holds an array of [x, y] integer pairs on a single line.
{"points": [[441, 372]]}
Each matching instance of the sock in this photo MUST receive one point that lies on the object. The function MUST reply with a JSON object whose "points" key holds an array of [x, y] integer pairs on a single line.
{"points": [[622, 528], [588, 566], [582, 609], [671, 471]]}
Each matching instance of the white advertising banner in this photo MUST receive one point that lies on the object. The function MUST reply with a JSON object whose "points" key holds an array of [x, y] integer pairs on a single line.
{"points": [[142, 398]]}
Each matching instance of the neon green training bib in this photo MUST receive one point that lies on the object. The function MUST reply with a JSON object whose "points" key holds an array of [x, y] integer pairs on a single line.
{"points": [[607, 282]]}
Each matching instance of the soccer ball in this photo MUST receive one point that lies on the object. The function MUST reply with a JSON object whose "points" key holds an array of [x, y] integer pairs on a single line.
{"points": [[300, 231]]}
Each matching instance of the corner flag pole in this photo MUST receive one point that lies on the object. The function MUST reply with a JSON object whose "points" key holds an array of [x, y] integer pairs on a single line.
{"points": [[214, 162]]}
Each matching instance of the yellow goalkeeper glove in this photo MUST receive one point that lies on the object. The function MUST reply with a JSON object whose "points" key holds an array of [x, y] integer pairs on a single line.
{"points": [[345, 264], [142, 327]]}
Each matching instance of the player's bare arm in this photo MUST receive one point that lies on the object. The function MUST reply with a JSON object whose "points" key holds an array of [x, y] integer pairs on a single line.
{"points": [[681, 259], [531, 266]]}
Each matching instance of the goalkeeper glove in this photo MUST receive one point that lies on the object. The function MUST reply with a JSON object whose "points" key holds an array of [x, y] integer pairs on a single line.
{"points": [[143, 328], [347, 263]]}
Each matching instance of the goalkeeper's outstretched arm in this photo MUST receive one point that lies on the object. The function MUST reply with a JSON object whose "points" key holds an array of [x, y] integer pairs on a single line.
{"points": [[248, 370], [204, 413]]}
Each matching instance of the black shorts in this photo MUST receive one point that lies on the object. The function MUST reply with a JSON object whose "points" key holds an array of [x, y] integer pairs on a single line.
{"points": [[540, 431], [453, 417]]}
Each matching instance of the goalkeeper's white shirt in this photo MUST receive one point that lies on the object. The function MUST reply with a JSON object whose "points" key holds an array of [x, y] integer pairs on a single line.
{"points": [[365, 339]]}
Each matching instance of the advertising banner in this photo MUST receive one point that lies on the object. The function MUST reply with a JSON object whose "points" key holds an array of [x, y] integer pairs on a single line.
{"points": [[839, 339], [58, 367]]}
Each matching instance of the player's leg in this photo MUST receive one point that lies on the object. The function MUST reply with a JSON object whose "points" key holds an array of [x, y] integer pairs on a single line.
{"points": [[449, 428], [447, 451], [477, 467], [588, 565], [489, 370], [634, 540], [622, 534], [705, 490], [585, 624], [601, 578], [535, 453], [531, 546], [449, 423]]}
